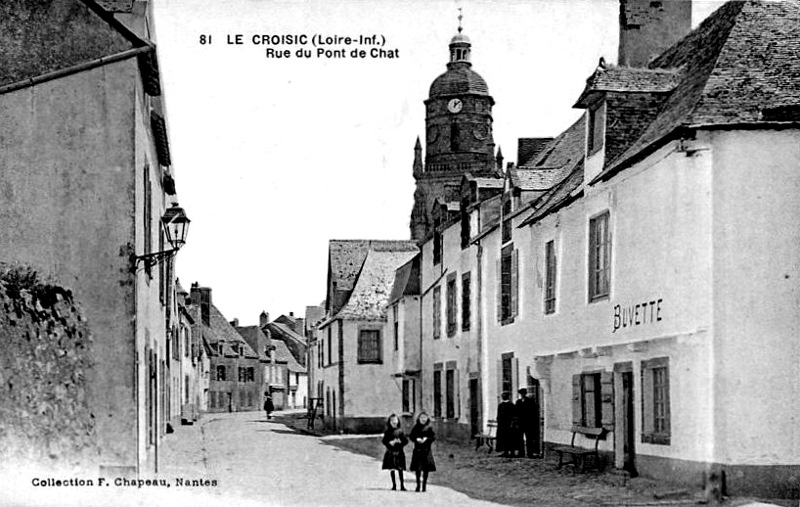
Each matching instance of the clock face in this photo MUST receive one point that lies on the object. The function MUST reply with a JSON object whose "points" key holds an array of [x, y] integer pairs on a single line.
{"points": [[454, 105]]}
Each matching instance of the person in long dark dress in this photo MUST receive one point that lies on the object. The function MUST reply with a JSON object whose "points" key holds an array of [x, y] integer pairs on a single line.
{"points": [[422, 462], [394, 439], [506, 432]]}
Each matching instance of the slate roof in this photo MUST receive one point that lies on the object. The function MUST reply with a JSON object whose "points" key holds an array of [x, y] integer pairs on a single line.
{"points": [[738, 67], [459, 79], [534, 179], [564, 156], [629, 79], [252, 335], [45, 36], [282, 355], [373, 287], [530, 147], [406, 280], [285, 331], [220, 331]]}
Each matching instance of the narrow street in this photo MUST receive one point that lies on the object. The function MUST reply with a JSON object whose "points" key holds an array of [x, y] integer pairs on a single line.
{"points": [[265, 463]]}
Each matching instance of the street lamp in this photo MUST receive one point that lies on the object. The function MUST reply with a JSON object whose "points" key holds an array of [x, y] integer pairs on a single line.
{"points": [[176, 225]]}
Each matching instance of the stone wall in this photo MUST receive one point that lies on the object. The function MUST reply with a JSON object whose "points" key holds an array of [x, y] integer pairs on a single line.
{"points": [[45, 370]]}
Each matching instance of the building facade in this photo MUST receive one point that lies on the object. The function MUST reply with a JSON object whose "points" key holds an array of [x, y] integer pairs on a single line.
{"points": [[88, 175]]}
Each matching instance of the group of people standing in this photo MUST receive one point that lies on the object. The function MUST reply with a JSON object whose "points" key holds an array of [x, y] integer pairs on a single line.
{"points": [[518, 426], [394, 459]]}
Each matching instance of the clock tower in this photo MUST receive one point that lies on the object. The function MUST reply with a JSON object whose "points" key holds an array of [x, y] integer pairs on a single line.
{"points": [[458, 136]]}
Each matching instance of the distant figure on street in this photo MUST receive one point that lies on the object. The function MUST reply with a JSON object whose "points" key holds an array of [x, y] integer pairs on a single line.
{"points": [[422, 435], [528, 417], [507, 442], [269, 406], [394, 458]]}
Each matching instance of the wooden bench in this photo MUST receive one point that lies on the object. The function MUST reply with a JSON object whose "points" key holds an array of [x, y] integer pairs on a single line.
{"points": [[580, 454], [487, 438]]}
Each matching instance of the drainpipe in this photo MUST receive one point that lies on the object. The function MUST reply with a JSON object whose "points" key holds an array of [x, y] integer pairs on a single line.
{"points": [[479, 325]]}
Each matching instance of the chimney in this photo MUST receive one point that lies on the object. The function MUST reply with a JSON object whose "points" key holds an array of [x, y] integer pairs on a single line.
{"points": [[202, 296], [235, 322], [291, 314], [647, 28], [263, 319]]}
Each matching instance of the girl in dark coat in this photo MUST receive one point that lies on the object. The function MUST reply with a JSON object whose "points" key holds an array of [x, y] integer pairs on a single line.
{"points": [[394, 458], [422, 435]]}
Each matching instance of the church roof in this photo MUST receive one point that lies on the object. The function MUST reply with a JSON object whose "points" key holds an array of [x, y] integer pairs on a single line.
{"points": [[458, 80]]}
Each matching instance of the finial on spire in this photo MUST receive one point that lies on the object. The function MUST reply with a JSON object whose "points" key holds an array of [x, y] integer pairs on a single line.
{"points": [[460, 17]]}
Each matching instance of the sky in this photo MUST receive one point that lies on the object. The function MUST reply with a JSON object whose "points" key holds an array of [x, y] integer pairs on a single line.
{"points": [[275, 156]]}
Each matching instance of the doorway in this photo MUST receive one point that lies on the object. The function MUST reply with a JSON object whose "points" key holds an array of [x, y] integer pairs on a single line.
{"points": [[625, 432], [474, 410]]}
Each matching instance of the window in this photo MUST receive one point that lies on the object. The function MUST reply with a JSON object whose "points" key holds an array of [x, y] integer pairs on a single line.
{"points": [[507, 208], [437, 312], [507, 373], [596, 127], [590, 400], [437, 390], [395, 328], [593, 399], [508, 285], [242, 374], [221, 373], [369, 346], [186, 389], [452, 308], [599, 257], [550, 277], [330, 347], [450, 392], [466, 295], [322, 351], [655, 401]]}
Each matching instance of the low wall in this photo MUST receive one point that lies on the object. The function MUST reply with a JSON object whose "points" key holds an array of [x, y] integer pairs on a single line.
{"points": [[45, 372]]}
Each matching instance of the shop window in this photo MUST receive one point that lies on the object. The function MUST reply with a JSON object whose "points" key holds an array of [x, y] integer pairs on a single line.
{"points": [[655, 401], [593, 400]]}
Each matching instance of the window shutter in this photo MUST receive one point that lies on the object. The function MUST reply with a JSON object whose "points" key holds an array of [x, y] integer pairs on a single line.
{"points": [[499, 379], [457, 388], [515, 283], [647, 402], [607, 399], [514, 376], [576, 400], [499, 288]]}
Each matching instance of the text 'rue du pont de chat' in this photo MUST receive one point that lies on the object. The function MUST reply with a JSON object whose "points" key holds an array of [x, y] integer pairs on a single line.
{"points": [[323, 46]]}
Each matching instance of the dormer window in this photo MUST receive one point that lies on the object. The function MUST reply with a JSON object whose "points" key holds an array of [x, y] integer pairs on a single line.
{"points": [[596, 131]]}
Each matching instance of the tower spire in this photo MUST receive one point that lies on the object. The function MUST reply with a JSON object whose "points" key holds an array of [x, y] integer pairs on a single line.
{"points": [[459, 45], [417, 158]]}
